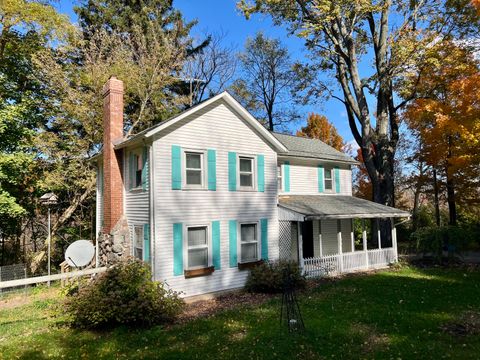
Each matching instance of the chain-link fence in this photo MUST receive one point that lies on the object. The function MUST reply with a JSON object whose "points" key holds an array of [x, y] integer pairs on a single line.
{"points": [[13, 272]]}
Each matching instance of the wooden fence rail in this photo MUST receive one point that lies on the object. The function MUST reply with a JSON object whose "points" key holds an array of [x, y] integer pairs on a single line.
{"points": [[46, 278]]}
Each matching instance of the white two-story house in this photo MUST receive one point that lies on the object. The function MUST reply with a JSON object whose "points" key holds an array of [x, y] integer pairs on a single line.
{"points": [[209, 193]]}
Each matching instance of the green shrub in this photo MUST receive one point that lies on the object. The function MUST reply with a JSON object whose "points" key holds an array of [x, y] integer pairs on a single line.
{"points": [[124, 294], [269, 277], [452, 239]]}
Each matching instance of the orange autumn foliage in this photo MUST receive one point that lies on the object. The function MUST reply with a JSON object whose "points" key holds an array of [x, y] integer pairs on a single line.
{"points": [[318, 127], [446, 117]]}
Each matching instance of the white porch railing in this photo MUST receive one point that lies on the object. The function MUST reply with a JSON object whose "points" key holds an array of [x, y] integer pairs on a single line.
{"points": [[348, 262]]}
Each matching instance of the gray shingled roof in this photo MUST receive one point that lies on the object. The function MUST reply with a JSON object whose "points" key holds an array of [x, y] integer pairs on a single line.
{"points": [[311, 148], [337, 207]]}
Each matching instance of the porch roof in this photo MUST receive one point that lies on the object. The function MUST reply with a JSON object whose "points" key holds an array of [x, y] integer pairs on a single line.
{"points": [[336, 207]]}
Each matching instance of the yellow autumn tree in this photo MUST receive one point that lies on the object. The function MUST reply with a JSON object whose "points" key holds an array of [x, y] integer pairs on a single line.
{"points": [[446, 118], [318, 127]]}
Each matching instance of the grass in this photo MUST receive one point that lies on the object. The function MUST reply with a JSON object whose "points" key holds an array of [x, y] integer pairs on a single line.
{"points": [[388, 315]]}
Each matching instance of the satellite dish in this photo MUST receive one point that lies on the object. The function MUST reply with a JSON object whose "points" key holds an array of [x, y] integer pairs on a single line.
{"points": [[79, 253]]}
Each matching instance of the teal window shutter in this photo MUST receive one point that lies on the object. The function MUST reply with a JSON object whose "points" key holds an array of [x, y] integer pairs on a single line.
{"points": [[176, 167], [216, 244], [232, 171], [264, 238], [212, 169], [261, 172], [286, 175], [321, 181], [146, 243], [177, 249], [337, 179], [145, 168], [232, 229]]}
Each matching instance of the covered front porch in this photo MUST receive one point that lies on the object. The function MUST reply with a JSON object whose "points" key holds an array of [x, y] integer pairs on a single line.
{"points": [[330, 234]]}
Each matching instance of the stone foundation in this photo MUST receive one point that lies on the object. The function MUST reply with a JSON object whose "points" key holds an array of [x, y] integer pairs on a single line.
{"points": [[116, 245]]}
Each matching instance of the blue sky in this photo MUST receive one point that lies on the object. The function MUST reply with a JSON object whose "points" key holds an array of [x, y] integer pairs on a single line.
{"points": [[222, 15]]}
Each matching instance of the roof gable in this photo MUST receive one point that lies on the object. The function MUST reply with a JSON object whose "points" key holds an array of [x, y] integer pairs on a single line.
{"points": [[225, 96]]}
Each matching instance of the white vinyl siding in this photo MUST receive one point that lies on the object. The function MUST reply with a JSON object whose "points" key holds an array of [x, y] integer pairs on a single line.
{"points": [[136, 203], [329, 228], [214, 127], [304, 177]]}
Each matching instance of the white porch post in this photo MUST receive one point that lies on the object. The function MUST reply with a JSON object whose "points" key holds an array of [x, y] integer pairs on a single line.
{"points": [[394, 239], [364, 239], [339, 240], [300, 246], [320, 237], [378, 232], [352, 236]]}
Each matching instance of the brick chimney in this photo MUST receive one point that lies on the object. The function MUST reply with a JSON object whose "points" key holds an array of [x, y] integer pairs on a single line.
{"points": [[112, 160]]}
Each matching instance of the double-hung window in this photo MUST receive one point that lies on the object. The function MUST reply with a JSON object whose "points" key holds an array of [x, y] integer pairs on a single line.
{"points": [[328, 179], [138, 242], [137, 163], [197, 247], [194, 170], [248, 242], [246, 172]]}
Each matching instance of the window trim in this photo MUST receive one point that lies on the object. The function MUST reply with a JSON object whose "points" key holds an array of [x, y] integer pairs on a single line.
{"points": [[280, 177], [332, 179], [186, 266], [203, 169], [239, 242], [254, 173], [136, 152], [141, 227]]}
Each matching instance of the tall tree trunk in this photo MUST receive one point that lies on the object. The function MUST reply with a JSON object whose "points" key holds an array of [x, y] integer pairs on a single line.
{"points": [[435, 195], [452, 208]]}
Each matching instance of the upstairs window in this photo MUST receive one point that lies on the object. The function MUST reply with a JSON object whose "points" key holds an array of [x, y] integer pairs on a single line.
{"points": [[197, 247], [246, 172], [194, 169], [248, 242], [136, 165], [138, 170], [328, 179]]}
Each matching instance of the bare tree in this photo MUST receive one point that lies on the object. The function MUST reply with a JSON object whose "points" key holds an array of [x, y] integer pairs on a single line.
{"points": [[210, 70], [267, 82]]}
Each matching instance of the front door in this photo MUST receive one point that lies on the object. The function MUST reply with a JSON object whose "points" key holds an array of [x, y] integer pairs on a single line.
{"points": [[307, 235]]}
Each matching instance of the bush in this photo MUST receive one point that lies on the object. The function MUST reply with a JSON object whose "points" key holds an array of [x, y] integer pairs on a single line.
{"points": [[124, 294], [269, 277], [452, 239]]}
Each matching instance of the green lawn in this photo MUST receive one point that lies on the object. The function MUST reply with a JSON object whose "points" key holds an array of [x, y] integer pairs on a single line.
{"points": [[388, 315]]}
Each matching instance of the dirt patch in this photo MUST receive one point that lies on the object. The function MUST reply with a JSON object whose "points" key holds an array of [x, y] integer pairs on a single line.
{"points": [[13, 301], [467, 324], [206, 308]]}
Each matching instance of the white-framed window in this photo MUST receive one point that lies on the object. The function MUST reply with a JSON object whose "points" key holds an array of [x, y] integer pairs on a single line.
{"points": [[138, 242], [194, 169], [246, 172], [279, 178], [197, 247], [136, 173], [328, 179], [249, 242]]}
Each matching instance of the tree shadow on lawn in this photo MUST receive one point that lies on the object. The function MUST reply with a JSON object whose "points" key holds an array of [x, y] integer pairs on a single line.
{"points": [[383, 315]]}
